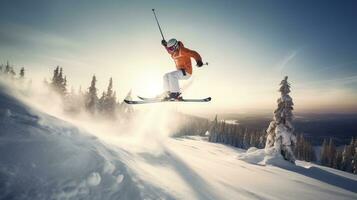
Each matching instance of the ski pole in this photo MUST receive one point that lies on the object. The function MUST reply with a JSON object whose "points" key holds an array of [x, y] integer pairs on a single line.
{"points": [[157, 21], [204, 64]]}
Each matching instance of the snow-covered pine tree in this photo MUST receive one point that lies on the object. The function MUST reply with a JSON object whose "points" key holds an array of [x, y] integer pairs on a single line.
{"points": [[62, 83], [110, 88], [354, 155], [55, 76], [347, 157], [59, 83], [91, 99], [331, 153], [60, 76], [280, 136], [324, 153]]}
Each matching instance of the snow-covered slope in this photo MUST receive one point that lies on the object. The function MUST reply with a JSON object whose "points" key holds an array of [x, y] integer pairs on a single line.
{"points": [[43, 157]]}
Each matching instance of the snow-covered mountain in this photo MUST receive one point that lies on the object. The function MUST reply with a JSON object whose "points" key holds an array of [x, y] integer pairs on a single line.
{"points": [[44, 157]]}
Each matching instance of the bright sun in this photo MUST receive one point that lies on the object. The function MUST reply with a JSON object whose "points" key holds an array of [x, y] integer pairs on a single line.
{"points": [[149, 84]]}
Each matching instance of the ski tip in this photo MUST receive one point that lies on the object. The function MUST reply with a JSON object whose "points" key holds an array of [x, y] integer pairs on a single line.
{"points": [[209, 99]]}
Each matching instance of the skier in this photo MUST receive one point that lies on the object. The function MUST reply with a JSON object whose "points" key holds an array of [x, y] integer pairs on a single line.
{"points": [[182, 57]]}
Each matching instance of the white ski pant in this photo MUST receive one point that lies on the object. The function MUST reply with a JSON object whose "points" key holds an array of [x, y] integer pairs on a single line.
{"points": [[171, 80]]}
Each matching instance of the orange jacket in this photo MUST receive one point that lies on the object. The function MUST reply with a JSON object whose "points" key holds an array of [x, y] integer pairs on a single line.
{"points": [[183, 56]]}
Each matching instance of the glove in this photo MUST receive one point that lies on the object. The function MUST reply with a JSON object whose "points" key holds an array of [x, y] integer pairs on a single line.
{"points": [[164, 43], [199, 63]]}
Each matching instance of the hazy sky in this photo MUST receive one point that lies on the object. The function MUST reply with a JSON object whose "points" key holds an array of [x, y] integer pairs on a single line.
{"points": [[250, 47]]}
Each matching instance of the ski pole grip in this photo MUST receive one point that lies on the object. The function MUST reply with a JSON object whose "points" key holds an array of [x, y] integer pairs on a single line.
{"points": [[206, 63]]}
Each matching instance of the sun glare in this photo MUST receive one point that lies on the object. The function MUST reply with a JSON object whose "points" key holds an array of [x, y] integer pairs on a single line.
{"points": [[148, 84]]}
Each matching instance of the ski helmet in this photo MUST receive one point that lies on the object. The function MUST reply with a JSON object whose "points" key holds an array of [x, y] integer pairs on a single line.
{"points": [[172, 44]]}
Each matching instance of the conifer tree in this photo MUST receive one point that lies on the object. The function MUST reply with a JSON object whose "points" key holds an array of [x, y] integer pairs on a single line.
{"points": [[91, 97], [331, 153], [60, 76], [280, 135], [109, 100], [110, 88], [347, 157], [55, 76], [354, 156], [324, 153], [59, 81]]}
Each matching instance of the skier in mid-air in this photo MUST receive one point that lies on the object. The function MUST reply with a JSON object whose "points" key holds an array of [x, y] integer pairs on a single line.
{"points": [[182, 57]]}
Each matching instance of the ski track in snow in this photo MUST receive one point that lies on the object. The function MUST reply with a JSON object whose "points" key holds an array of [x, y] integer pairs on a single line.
{"points": [[43, 157]]}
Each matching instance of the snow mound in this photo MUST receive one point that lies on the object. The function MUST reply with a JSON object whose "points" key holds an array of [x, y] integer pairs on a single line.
{"points": [[43, 157], [263, 157]]}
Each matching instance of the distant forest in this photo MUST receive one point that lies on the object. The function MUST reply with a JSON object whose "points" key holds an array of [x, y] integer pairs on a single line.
{"points": [[103, 105], [315, 127]]}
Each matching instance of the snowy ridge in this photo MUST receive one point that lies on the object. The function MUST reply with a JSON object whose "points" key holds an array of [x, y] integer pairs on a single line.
{"points": [[43, 157]]}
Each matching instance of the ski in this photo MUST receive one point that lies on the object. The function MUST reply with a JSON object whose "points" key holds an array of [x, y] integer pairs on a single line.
{"points": [[148, 98], [160, 101]]}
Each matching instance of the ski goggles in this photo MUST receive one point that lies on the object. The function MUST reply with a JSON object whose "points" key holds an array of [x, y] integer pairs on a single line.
{"points": [[172, 48]]}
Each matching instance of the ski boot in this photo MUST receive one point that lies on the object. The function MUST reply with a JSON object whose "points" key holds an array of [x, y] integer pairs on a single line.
{"points": [[173, 96]]}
